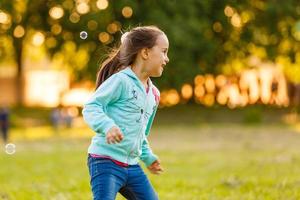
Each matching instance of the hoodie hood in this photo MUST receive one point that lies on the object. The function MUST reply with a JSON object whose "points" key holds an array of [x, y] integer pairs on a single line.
{"points": [[128, 71]]}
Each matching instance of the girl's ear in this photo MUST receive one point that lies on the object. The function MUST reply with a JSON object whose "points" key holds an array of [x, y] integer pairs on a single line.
{"points": [[145, 53]]}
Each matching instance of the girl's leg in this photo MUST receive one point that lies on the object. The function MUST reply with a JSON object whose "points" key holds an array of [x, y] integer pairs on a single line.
{"points": [[106, 178], [138, 186]]}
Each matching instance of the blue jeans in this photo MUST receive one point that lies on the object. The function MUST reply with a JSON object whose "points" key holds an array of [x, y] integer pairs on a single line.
{"points": [[108, 178]]}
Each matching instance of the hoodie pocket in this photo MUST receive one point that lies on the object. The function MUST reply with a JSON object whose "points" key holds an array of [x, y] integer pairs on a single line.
{"points": [[138, 149]]}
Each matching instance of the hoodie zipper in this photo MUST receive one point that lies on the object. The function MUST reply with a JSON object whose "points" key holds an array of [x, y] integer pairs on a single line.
{"points": [[138, 138], [140, 131], [142, 111]]}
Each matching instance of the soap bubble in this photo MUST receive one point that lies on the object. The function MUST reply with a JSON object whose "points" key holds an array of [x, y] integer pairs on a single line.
{"points": [[10, 148], [83, 35]]}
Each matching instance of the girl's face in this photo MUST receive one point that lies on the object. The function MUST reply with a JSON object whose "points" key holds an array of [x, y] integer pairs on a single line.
{"points": [[157, 56]]}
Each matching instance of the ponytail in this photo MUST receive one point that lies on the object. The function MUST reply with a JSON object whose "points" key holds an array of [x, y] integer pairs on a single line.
{"points": [[110, 66]]}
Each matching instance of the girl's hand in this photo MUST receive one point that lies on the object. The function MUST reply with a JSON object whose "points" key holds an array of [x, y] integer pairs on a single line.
{"points": [[155, 168], [114, 135]]}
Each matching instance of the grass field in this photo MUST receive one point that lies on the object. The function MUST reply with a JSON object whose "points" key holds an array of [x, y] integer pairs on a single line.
{"points": [[201, 160]]}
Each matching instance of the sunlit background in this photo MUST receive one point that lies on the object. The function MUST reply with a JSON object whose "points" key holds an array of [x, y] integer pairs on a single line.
{"points": [[232, 64], [50, 59]]}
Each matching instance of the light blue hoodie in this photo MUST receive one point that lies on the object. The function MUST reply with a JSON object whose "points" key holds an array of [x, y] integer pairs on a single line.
{"points": [[122, 101]]}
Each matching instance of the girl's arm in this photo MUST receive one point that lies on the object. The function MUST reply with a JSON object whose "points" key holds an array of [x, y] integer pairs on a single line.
{"points": [[94, 110], [147, 155], [151, 160]]}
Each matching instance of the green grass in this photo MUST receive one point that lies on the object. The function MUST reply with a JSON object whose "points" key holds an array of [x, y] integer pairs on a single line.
{"points": [[202, 161], [207, 153]]}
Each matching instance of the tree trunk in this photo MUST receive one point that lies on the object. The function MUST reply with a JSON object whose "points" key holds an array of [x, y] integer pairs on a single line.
{"points": [[18, 44]]}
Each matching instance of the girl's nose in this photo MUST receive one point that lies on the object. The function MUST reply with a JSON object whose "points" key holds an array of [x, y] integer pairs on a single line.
{"points": [[167, 59]]}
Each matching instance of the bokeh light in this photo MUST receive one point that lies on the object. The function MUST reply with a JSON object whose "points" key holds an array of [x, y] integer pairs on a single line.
{"points": [[112, 28], [4, 18], [234, 95], [222, 97], [67, 35], [51, 42], [209, 100], [104, 37], [56, 29], [221, 80], [228, 11], [199, 91], [83, 8], [102, 4], [76, 97], [74, 17], [187, 91], [173, 97], [266, 83], [92, 25], [217, 27], [127, 12], [38, 39], [210, 83], [19, 31], [246, 16], [199, 79], [56, 12], [68, 4], [236, 20], [56, 81]]}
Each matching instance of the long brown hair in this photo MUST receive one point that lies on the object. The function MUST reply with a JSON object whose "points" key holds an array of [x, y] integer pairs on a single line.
{"points": [[131, 43]]}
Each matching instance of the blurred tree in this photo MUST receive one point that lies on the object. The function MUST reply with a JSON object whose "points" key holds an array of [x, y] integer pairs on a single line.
{"points": [[222, 36], [205, 36], [72, 31]]}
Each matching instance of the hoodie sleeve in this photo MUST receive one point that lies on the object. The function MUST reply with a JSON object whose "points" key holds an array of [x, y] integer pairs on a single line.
{"points": [[94, 109], [147, 155]]}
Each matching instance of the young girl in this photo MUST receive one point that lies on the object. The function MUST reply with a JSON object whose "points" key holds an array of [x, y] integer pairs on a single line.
{"points": [[121, 112]]}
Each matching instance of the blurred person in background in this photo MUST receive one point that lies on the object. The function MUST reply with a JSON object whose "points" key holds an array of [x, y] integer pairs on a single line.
{"points": [[4, 123]]}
